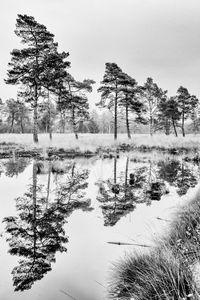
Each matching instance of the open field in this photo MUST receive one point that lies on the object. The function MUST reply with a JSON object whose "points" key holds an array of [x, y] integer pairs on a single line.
{"points": [[93, 141]]}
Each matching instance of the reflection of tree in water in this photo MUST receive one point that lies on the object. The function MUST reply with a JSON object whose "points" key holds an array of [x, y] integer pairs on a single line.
{"points": [[70, 194], [168, 170], [117, 198], [141, 185], [146, 183], [15, 166], [178, 174], [37, 233]]}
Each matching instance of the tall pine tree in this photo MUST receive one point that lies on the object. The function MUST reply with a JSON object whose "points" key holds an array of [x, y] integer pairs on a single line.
{"points": [[186, 104], [28, 65], [130, 99], [110, 90], [152, 95], [75, 101]]}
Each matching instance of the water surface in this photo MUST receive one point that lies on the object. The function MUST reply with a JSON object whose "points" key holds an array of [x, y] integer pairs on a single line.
{"points": [[64, 223]]}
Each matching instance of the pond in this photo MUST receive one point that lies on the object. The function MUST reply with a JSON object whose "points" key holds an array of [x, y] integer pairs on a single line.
{"points": [[65, 223]]}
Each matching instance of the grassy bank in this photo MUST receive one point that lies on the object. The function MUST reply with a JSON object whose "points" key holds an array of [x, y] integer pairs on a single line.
{"points": [[167, 271], [92, 142]]}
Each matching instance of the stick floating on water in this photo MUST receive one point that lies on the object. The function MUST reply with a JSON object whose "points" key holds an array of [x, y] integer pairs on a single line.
{"points": [[65, 293], [162, 219], [128, 244], [100, 284]]}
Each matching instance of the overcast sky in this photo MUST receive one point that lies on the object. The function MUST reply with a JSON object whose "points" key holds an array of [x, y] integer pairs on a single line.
{"points": [[157, 38]]}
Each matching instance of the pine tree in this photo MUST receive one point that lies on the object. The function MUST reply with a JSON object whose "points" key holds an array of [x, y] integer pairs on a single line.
{"points": [[152, 94], [55, 72], [110, 90], [130, 99], [186, 103], [168, 115], [11, 110], [75, 100], [29, 66]]}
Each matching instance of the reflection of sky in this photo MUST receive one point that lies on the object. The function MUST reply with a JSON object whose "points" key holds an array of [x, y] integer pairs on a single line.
{"points": [[89, 257]]}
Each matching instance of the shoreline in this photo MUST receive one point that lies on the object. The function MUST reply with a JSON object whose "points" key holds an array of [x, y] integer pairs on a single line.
{"points": [[8, 150]]}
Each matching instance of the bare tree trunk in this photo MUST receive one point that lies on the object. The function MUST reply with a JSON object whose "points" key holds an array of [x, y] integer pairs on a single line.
{"points": [[183, 123], [151, 125], [167, 127], [12, 125], [35, 116], [48, 184], [74, 123], [34, 197], [22, 126], [174, 126], [115, 126], [62, 119], [126, 178], [127, 122], [115, 170], [49, 117]]}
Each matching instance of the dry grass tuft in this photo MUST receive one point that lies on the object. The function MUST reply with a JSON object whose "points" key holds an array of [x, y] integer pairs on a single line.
{"points": [[157, 275]]}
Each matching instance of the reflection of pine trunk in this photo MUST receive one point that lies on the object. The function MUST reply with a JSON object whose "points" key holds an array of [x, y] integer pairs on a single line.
{"points": [[182, 174], [115, 182], [73, 181], [73, 169], [127, 122], [174, 126], [126, 178], [48, 184], [34, 191], [115, 171], [150, 173], [74, 122]]}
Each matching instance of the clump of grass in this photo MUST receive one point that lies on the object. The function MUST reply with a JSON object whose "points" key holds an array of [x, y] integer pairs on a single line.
{"points": [[166, 272], [157, 275], [184, 236]]}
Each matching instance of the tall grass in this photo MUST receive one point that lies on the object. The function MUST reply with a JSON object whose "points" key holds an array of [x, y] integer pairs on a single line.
{"points": [[184, 236], [93, 141], [157, 275], [167, 271]]}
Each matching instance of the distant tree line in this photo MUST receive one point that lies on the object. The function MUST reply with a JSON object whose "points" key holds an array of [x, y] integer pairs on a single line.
{"points": [[50, 99], [148, 104]]}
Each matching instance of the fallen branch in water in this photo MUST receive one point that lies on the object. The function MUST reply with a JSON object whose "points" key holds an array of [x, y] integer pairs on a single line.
{"points": [[100, 284], [162, 219], [65, 293], [131, 244]]}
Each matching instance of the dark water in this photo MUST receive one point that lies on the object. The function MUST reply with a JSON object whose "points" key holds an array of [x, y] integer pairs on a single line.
{"points": [[62, 221]]}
